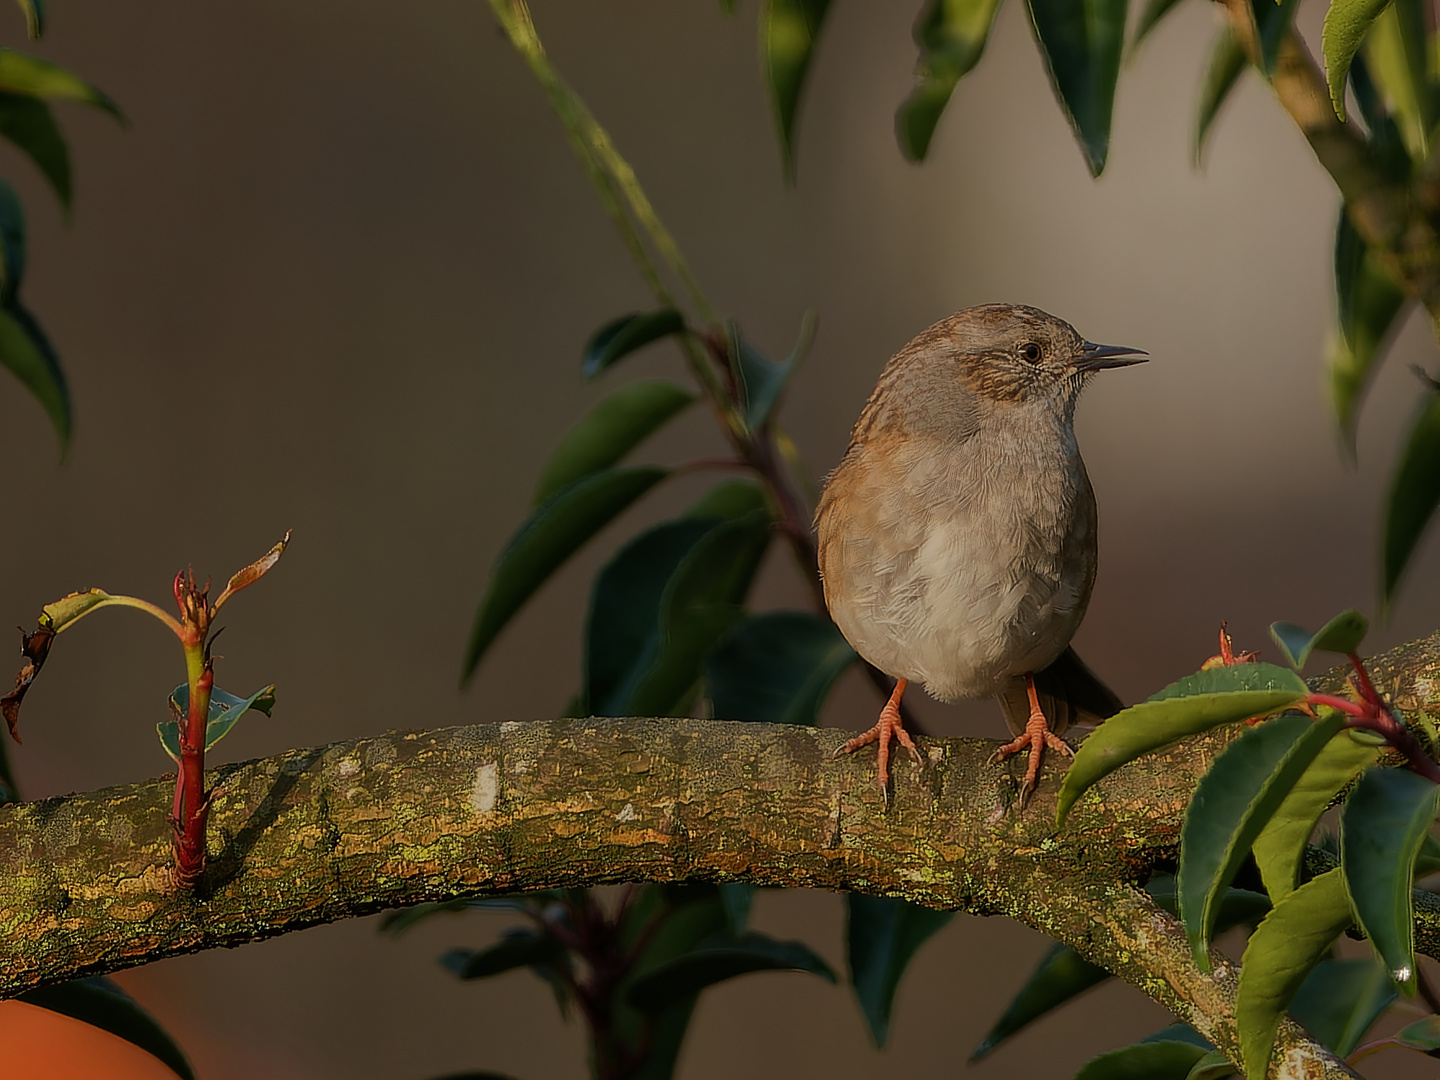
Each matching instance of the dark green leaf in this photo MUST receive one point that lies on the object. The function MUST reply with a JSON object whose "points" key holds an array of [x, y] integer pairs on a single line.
{"points": [[729, 499], [625, 335], [1062, 974], [397, 922], [1342, 634], [1222, 72], [736, 898], [1284, 949], [27, 352], [12, 243], [1213, 1066], [1144, 1061], [951, 35], [34, 16], [1422, 1035], [761, 379], [788, 31], [1179, 1033], [516, 948], [776, 668], [1414, 493], [1272, 23], [1222, 695], [102, 1004], [1346, 23], [1232, 803], [225, 710], [1155, 10], [1280, 847], [1396, 50], [608, 432], [554, 532], [1370, 305], [32, 77], [1382, 827], [718, 959], [28, 123], [1340, 1000], [1238, 907], [1081, 41], [882, 936]]}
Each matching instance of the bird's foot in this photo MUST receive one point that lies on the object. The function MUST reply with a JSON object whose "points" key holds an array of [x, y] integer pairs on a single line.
{"points": [[1036, 736], [888, 726]]}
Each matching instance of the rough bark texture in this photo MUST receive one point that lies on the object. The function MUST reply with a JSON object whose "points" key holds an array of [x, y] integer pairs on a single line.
{"points": [[313, 836]]}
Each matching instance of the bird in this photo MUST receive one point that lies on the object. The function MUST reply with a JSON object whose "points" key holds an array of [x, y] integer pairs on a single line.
{"points": [[957, 537]]}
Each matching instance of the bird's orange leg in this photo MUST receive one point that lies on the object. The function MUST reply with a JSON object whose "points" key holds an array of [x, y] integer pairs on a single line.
{"points": [[887, 727], [1037, 736]]}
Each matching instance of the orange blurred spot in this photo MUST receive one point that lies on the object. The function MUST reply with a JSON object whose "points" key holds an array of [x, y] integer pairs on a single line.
{"points": [[44, 1045]]}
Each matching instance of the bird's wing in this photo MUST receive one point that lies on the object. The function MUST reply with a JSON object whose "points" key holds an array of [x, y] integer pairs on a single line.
{"points": [[1069, 692]]}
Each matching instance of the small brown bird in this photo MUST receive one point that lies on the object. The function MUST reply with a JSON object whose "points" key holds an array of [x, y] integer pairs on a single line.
{"points": [[957, 535]]}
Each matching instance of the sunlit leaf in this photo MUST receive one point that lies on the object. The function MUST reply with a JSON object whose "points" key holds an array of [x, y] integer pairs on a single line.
{"points": [[32, 77], [1081, 41], [250, 574], [1342, 634], [1232, 803], [1061, 975], [73, 607], [951, 35], [608, 432], [27, 352], [30, 126], [34, 16], [225, 711], [719, 959], [1370, 305], [625, 335], [882, 936], [1161, 1060], [553, 533], [1340, 1000], [1221, 695], [1382, 827], [1345, 27], [1396, 50], [788, 31], [102, 1004], [1280, 847], [1414, 494], [776, 668]]}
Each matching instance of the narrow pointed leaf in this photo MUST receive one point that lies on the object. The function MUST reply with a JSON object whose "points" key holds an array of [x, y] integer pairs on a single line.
{"points": [[27, 352], [102, 1004], [34, 17], [788, 32], [1232, 803], [1280, 847], [1081, 41], [952, 36], [1342, 634], [1222, 71], [882, 936], [1340, 1000], [1061, 975], [1422, 1035], [516, 949], [1284, 949], [1150, 16], [762, 380], [719, 959], [33, 77], [29, 125], [618, 339], [252, 573], [1414, 494], [1395, 50], [1208, 699], [12, 243], [1272, 23], [1382, 828], [776, 668], [225, 711], [1161, 1060], [396, 923], [1345, 27], [1370, 305], [553, 533], [608, 432], [1237, 907]]}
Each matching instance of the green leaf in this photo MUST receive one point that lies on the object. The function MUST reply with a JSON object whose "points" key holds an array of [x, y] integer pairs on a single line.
{"points": [[1342, 634], [518, 947], [70, 609], [1422, 1035], [736, 897], [1232, 803], [1167, 1060], [398, 922], [625, 335], [1280, 847], [1340, 1000], [761, 379], [1061, 975], [1346, 23], [34, 16], [29, 124], [27, 352], [608, 432], [1222, 695], [776, 668], [1272, 23], [1150, 17], [1395, 49], [1081, 41], [718, 959], [102, 1004], [1382, 827], [12, 243], [1370, 305], [553, 533], [1414, 494], [225, 710], [951, 35], [882, 936], [32, 77], [1222, 72], [1237, 907], [788, 31], [1284, 949], [1213, 1066]]}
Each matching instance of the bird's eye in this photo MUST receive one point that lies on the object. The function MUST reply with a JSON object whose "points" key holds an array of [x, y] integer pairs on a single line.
{"points": [[1030, 351]]}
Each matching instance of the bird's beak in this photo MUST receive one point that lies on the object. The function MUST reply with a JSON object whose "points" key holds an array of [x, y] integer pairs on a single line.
{"points": [[1096, 357]]}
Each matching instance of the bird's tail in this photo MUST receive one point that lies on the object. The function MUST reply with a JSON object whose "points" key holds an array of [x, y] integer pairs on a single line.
{"points": [[1069, 692]]}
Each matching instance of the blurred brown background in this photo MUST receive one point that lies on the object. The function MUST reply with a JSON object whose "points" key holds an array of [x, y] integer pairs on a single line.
{"points": [[336, 277]]}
